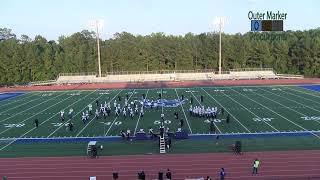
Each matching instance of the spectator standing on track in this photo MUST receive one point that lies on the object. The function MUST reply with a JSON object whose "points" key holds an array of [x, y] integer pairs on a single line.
{"points": [[115, 175], [222, 174], [182, 97], [222, 111], [168, 174], [256, 164], [97, 103], [36, 122], [191, 100], [119, 98], [141, 175], [160, 175], [201, 98]]}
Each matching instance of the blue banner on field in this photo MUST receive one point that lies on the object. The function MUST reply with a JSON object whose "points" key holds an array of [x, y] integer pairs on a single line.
{"points": [[163, 103]]}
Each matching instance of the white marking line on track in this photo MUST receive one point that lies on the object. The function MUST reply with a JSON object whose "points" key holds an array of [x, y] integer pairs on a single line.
{"points": [[118, 116], [36, 113], [184, 112], [201, 105], [247, 108], [135, 129], [295, 102], [226, 110], [74, 115], [287, 118], [94, 116]]}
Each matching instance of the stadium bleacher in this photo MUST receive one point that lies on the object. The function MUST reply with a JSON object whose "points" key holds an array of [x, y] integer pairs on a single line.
{"points": [[166, 76]]}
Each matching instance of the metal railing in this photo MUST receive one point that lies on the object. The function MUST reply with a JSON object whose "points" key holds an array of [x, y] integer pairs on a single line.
{"points": [[290, 75], [158, 72], [37, 83], [251, 69], [78, 74]]}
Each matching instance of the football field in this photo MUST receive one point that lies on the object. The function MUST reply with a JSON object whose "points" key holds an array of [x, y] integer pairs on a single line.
{"points": [[253, 109]]}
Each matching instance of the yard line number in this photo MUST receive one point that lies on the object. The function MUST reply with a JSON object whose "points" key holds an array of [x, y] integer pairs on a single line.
{"points": [[19, 125], [262, 119], [311, 118], [215, 120]]}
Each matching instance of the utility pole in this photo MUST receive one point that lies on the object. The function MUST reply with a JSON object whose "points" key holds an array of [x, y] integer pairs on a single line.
{"points": [[220, 24], [96, 25], [98, 46], [220, 21]]}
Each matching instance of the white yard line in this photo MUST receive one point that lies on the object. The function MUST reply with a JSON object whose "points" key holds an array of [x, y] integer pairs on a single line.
{"points": [[94, 117], [247, 108], [302, 92], [201, 105], [317, 102], [33, 127], [227, 110], [135, 130], [27, 95], [294, 102], [285, 117], [37, 113], [183, 112], [54, 115], [54, 97], [119, 114], [22, 105], [75, 114]]}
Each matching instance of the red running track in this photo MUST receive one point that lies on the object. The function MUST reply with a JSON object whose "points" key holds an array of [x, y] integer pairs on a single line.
{"points": [[161, 84], [280, 165]]}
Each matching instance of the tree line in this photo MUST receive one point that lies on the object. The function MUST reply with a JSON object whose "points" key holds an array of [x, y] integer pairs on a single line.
{"points": [[24, 59]]}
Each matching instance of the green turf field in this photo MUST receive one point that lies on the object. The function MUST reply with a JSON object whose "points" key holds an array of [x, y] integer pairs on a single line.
{"points": [[253, 109]]}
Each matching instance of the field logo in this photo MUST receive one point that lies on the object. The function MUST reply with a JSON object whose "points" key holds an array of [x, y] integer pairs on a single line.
{"points": [[163, 103]]}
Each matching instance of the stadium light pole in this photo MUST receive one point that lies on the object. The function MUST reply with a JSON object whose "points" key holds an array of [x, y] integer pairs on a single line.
{"points": [[97, 24], [220, 21]]}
